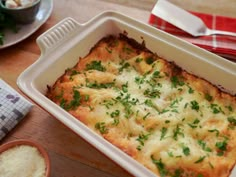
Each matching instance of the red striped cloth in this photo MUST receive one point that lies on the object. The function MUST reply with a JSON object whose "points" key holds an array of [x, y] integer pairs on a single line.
{"points": [[218, 44]]}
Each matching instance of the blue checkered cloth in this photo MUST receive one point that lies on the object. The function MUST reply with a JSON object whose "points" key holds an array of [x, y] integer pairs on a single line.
{"points": [[13, 108]]}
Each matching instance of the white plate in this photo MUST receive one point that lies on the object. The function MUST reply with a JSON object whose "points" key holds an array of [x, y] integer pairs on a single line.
{"points": [[25, 31]]}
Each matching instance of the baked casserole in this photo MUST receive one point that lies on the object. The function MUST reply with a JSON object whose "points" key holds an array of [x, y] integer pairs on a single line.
{"points": [[173, 122]]}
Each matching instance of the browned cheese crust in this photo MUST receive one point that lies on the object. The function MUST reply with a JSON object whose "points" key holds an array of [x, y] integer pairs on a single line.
{"points": [[172, 122]]}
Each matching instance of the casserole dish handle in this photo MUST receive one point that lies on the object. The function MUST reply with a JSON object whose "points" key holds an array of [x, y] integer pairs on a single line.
{"points": [[57, 35]]}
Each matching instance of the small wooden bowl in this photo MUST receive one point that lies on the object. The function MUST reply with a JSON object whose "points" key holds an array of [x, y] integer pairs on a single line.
{"points": [[41, 150]]}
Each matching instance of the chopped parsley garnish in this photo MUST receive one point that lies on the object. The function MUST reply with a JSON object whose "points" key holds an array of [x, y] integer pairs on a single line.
{"points": [[200, 159], [204, 146], [216, 109], [73, 103], [73, 72], [109, 103], [86, 98], [174, 103], [99, 85], [229, 108], [150, 60], [170, 154], [156, 74], [108, 50], [163, 132], [161, 166], [176, 81], [146, 115], [76, 99], [127, 102], [124, 65], [186, 150], [185, 105], [101, 127], [152, 93], [196, 121], [210, 164], [222, 146], [138, 60], [194, 105], [128, 50], [164, 111], [208, 97], [178, 173], [139, 80], [149, 103], [167, 121], [194, 124], [190, 90], [232, 120], [125, 87], [116, 121], [177, 132], [95, 65], [215, 130], [141, 139], [63, 103], [115, 113]]}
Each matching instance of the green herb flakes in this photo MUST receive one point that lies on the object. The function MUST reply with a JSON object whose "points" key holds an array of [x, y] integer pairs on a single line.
{"points": [[161, 166], [232, 121], [177, 132], [216, 109], [95, 65], [150, 60], [115, 113], [163, 132], [176, 81], [215, 130], [142, 138], [194, 105], [101, 127], [222, 146], [138, 60], [204, 146], [208, 97], [186, 150], [124, 65], [108, 50], [125, 87], [73, 103], [152, 93], [200, 159], [194, 124], [190, 90]]}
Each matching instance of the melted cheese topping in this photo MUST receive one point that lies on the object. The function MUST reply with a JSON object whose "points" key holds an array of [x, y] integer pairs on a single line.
{"points": [[172, 122]]}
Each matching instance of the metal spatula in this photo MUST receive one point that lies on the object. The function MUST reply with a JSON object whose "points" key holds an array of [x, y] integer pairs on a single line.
{"points": [[184, 20]]}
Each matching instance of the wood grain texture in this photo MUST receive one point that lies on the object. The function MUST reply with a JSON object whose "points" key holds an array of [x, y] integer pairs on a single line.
{"points": [[70, 155]]}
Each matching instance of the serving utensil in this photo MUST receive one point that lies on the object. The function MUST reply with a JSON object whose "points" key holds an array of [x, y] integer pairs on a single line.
{"points": [[184, 20]]}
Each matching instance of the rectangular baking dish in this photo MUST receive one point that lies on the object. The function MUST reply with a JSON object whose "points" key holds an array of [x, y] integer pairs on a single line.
{"points": [[62, 45]]}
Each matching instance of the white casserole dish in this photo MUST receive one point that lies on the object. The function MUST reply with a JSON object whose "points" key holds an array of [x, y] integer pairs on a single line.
{"points": [[62, 45]]}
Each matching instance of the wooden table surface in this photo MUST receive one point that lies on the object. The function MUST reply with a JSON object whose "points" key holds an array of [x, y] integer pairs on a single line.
{"points": [[70, 155]]}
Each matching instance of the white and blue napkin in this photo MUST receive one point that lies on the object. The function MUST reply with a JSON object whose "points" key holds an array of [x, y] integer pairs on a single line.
{"points": [[13, 108]]}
